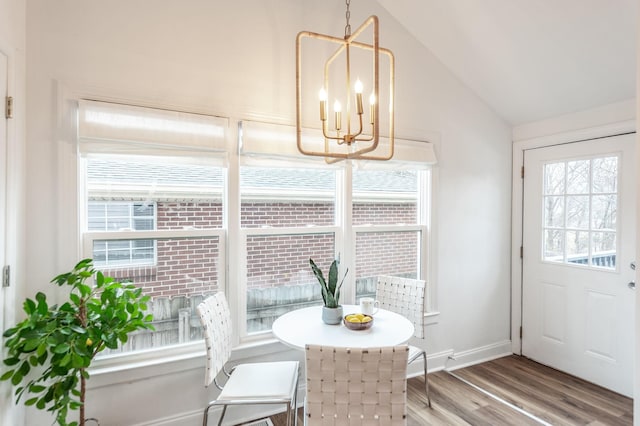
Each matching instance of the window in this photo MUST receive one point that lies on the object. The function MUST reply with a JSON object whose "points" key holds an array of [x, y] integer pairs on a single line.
{"points": [[121, 216], [287, 216], [580, 205], [153, 216], [154, 189], [389, 224], [294, 208]]}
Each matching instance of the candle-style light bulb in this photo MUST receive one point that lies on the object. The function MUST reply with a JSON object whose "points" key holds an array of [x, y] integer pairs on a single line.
{"points": [[372, 107], [358, 89], [337, 108], [322, 95], [358, 86]]}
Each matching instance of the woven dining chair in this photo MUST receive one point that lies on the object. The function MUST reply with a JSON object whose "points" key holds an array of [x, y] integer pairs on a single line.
{"points": [[250, 383], [356, 386], [406, 296]]}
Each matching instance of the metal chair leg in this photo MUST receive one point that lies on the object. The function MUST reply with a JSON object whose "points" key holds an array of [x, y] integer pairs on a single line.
{"points": [[205, 419], [224, 410], [426, 380]]}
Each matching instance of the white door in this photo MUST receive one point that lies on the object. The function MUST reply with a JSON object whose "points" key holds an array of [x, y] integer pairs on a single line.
{"points": [[579, 241]]}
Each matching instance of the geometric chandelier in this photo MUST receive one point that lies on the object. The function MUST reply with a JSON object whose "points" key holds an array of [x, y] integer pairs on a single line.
{"points": [[341, 71]]}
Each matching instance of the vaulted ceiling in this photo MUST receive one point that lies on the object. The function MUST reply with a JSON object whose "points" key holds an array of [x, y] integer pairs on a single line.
{"points": [[531, 59]]}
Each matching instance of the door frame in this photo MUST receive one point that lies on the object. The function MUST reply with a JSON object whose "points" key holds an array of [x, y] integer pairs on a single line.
{"points": [[519, 148]]}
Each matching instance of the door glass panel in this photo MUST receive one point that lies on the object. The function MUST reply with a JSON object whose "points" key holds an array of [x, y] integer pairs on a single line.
{"points": [[605, 175], [580, 212], [553, 245], [577, 246], [554, 211], [604, 212], [578, 177], [554, 178]]}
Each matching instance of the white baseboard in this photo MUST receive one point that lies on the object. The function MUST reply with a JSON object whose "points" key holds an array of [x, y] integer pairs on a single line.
{"points": [[477, 355], [235, 415]]}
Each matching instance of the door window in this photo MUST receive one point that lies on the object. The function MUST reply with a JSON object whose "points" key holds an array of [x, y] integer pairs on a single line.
{"points": [[579, 212]]}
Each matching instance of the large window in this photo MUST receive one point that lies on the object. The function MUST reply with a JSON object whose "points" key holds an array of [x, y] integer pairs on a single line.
{"points": [[155, 186]]}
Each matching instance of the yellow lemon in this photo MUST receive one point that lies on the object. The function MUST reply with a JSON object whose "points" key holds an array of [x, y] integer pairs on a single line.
{"points": [[360, 316], [89, 342], [354, 319], [349, 317], [366, 319]]}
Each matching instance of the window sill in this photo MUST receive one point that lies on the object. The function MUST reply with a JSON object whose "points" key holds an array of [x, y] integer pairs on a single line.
{"points": [[431, 318]]}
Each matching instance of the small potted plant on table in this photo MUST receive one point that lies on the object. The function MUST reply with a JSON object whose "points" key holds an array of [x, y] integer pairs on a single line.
{"points": [[332, 310]]}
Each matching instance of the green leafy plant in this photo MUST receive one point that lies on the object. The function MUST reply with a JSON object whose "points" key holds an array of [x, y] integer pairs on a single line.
{"points": [[330, 288], [59, 343]]}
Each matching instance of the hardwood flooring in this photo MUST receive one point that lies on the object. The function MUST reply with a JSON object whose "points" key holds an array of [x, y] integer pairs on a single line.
{"points": [[549, 395]]}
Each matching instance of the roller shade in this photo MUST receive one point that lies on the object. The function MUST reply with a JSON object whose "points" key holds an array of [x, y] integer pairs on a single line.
{"points": [[276, 141], [103, 126]]}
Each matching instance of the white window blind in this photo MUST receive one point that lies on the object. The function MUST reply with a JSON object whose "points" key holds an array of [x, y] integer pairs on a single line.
{"points": [[262, 140], [109, 127]]}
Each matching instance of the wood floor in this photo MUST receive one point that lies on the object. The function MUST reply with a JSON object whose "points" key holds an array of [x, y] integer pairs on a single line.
{"points": [[553, 397]]}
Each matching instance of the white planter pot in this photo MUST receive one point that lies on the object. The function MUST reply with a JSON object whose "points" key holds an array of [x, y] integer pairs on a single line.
{"points": [[332, 316]]}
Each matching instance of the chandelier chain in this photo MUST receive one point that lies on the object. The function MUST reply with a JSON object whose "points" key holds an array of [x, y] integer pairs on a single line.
{"points": [[347, 28]]}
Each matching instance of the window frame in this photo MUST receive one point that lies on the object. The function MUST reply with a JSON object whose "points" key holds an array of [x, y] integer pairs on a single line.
{"points": [[131, 217]]}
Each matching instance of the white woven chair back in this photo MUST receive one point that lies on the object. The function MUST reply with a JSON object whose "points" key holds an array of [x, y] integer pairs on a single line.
{"points": [[356, 386], [215, 318], [404, 296]]}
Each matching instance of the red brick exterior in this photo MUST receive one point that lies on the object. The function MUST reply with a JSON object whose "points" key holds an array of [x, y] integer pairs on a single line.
{"points": [[189, 266]]}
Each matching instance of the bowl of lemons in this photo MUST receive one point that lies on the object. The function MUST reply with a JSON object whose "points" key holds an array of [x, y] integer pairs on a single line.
{"points": [[358, 321]]}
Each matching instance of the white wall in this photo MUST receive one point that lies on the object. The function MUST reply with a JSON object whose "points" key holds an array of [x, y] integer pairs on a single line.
{"points": [[12, 44], [236, 59]]}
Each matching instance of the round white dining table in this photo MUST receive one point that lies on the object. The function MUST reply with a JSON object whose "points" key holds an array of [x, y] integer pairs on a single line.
{"points": [[305, 326]]}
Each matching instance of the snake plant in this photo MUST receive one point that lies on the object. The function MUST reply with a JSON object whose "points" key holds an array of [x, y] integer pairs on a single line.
{"points": [[330, 288]]}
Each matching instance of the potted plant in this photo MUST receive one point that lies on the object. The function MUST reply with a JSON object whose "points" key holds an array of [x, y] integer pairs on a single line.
{"points": [[332, 310], [50, 351]]}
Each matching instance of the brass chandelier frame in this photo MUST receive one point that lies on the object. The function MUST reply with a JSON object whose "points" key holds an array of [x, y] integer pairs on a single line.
{"points": [[359, 144]]}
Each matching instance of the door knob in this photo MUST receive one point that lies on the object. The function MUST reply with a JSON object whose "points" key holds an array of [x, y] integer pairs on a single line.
{"points": [[632, 285]]}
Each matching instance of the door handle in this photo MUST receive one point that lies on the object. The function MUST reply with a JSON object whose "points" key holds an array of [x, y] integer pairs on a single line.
{"points": [[632, 285], [633, 265]]}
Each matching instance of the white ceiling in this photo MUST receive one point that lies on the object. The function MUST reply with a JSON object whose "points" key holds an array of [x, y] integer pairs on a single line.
{"points": [[531, 59]]}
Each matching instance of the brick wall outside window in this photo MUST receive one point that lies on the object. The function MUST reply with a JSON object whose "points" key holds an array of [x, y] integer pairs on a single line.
{"points": [[384, 213], [189, 266], [255, 214]]}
